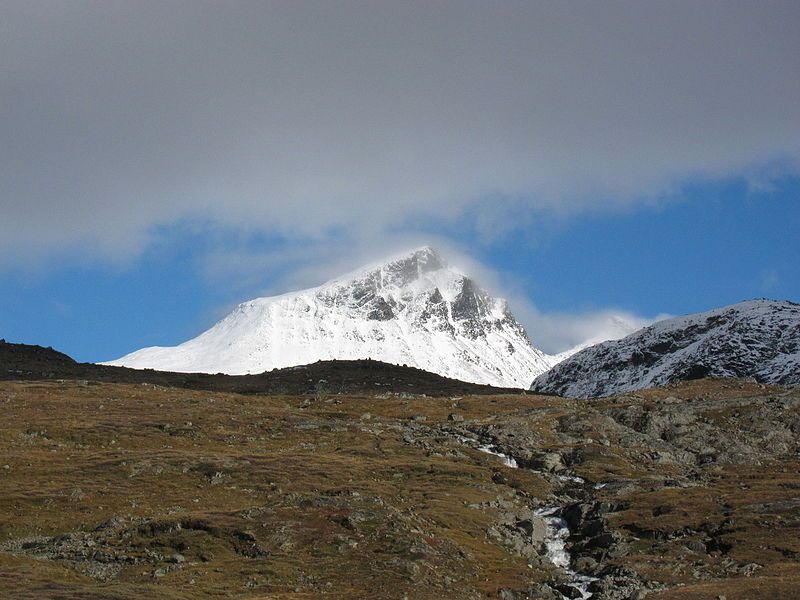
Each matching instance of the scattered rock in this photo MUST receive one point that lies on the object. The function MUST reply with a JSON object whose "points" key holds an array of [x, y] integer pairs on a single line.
{"points": [[696, 546], [546, 461]]}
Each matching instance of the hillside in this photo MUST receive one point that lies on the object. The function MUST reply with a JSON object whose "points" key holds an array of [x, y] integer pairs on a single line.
{"points": [[758, 338], [27, 362], [122, 492]]}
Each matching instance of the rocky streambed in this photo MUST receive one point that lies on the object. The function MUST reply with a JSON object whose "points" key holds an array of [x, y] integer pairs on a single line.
{"points": [[559, 541], [666, 488]]}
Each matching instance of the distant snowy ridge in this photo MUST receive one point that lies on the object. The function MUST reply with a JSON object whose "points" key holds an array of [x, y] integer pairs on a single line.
{"points": [[758, 338], [414, 310]]}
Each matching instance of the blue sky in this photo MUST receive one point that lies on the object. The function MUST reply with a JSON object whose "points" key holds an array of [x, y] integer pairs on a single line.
{"points": [[719, 244], [162, 161]]}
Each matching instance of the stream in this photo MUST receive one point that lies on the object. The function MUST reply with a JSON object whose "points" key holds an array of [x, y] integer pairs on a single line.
{"points": [[555, 542], [557, 530]]}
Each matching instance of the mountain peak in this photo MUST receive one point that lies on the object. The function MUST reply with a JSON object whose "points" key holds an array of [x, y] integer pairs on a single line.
{"points": [[425, 253], [400, 276], [412, 263], [411, 309], [416, 262]]}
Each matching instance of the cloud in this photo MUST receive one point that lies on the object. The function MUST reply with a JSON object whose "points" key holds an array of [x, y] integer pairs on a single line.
{"points": [[560, 332], [551, 331], [268, 271], [298, 119], [248, 272]]}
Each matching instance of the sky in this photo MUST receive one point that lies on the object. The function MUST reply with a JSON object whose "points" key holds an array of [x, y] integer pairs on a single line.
{"points": [[162, 161]]}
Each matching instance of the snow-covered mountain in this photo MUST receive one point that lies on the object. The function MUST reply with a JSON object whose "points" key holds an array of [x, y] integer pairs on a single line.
{"points": [[759, 338], [413, 310]]}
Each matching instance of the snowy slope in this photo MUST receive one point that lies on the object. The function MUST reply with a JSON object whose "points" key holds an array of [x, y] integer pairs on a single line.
{"points": [[413, 310], [759, 338]]}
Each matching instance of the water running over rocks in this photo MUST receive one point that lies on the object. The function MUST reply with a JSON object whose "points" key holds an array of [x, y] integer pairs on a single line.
{"points": [[557, 529], [555, 543]]}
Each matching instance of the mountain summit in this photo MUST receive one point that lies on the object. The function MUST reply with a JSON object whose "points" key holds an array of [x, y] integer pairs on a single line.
{"points": [[414, 309]]}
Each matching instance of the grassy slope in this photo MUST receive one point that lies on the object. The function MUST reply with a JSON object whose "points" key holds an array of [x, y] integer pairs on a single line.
{"points": [[290, 496]]}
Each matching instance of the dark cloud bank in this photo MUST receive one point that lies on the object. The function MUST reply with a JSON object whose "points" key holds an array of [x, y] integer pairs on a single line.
{"points": [[297, 117]]}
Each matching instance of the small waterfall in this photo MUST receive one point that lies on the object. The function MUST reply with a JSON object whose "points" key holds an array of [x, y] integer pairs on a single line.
{"points": [[557, 530]]}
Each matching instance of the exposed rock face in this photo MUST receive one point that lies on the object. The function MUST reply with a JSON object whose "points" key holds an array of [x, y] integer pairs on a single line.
{"points": [[413, 310], [759, 338]]}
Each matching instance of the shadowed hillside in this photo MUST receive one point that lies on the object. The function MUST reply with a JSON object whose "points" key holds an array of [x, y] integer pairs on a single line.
{"points": [[26, 362]]}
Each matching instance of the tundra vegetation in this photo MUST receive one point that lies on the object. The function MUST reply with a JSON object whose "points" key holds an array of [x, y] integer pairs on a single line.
{"points": [[137, 490]]}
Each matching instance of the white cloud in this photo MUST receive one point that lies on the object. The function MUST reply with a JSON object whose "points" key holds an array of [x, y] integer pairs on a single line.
{"points": [[296, 268], [301, 118]]}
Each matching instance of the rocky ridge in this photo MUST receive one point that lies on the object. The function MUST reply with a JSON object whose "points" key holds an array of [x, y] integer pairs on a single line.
{"points": [[24, 362], [758, 338]]}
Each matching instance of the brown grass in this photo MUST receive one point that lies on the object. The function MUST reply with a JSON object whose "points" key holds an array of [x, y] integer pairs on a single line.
{"points": [[270, 497]]}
